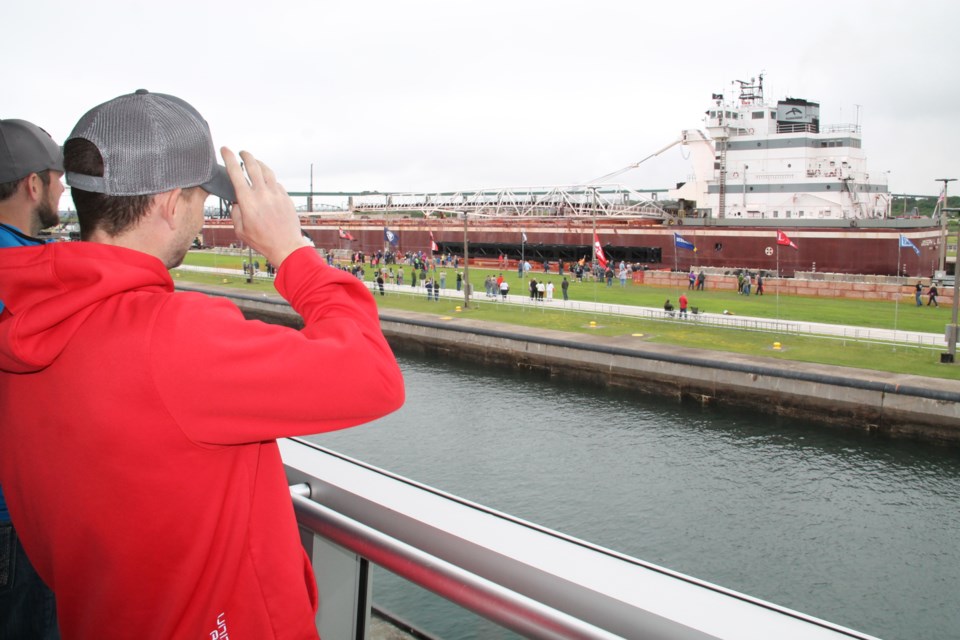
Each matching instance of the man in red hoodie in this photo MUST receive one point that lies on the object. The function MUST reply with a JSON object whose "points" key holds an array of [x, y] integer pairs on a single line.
{"points": [[140, 423]]}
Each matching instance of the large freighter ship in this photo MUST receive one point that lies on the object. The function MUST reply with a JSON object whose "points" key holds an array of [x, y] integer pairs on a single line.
{"points": [[761, 171]]}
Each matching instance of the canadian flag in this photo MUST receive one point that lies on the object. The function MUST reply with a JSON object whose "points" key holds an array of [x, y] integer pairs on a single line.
{"points": [[784, 240], [433, 243], [601, 257], [344, 235]]}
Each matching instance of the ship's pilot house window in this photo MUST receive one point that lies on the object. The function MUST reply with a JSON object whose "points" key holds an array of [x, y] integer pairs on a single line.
{"points": [[757, 115]]}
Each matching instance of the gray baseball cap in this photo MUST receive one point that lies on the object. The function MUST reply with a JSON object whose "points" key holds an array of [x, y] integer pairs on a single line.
{"points": [[150, 143], [25, 148]]}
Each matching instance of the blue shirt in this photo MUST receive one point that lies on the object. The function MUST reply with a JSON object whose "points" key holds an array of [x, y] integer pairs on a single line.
{"points": [[10, 236]]}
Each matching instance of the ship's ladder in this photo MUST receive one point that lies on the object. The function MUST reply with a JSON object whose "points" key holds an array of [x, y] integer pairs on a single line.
{"points": [[850, 186]]}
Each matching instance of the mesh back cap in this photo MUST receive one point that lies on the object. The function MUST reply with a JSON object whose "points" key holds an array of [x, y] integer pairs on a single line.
{"points": [[25, 148], [150, 143]]}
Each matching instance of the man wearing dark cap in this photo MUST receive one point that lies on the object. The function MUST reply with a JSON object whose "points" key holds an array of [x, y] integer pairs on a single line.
{"points": [[160, 509], [31, 167]]}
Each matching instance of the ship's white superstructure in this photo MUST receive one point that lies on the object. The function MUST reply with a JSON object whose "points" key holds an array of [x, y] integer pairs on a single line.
{"points": [[759, 160]]}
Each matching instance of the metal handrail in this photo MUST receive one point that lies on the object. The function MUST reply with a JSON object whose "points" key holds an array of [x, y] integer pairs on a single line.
{"points": [[525, 577], [507, 608]]}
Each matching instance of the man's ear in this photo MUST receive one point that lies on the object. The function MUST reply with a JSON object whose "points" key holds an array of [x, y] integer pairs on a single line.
{"points": [[166, 205], [34, 187]]}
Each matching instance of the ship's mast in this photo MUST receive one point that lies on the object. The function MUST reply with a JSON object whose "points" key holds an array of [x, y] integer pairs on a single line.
{"points": [[751, 92]]}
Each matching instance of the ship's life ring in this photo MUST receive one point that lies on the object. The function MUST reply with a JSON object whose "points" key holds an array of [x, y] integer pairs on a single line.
{"points": [[736, 175]]}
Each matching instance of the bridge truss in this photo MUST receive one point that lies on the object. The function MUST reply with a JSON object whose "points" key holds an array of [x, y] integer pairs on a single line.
{"points": [[563, 201]]}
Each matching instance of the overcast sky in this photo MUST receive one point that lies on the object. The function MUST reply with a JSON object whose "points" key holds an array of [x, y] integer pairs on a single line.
{"points": [[413, 95]]}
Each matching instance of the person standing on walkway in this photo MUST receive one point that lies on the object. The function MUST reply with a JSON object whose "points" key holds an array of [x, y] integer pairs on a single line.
{"points": [[683, 305], [918, 291], [564, 285], [550, 291], [701, 279], [31, 168], [759, 283], [932, 294]]}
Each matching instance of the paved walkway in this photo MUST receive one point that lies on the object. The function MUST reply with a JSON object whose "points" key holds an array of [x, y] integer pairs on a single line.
{"points": [[916, 338]]}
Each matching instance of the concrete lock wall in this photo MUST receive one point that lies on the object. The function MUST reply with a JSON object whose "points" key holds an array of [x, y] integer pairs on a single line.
{"points": [[894, 404], [889, 403]]}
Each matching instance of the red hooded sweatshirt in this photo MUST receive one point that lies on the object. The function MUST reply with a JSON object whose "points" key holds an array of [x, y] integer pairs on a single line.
{"points": [[137, 445]]}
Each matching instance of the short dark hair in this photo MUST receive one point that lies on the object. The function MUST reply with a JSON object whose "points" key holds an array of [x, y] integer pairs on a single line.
{"points": [[7, 189], [111, 214]]}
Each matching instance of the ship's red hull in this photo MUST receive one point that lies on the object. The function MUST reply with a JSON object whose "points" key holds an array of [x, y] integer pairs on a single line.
{"points": [[831, 249]]}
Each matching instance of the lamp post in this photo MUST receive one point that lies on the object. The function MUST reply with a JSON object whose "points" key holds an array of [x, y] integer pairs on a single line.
{"points": [[943, 224], [952, 327], [466, 264], [310, 197]]}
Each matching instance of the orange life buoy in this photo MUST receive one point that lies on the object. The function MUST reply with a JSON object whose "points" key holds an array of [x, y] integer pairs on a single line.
{"points": [[736, 175]]}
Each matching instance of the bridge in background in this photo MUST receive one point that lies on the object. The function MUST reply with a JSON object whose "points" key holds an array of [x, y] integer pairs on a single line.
{"points": [[559, 201]]}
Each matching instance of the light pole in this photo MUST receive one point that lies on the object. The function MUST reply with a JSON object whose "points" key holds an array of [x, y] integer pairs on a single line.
{"points": [[310, 197], [952, 327], [943, 224], [466, 264]]}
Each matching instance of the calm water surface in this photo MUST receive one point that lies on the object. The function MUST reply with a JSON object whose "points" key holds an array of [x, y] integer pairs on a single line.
{"points": [[859, 530]]}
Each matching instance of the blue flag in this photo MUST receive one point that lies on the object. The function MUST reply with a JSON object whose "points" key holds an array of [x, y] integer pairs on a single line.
{"points": [[390, 236], [905, 242], [680, 243]]}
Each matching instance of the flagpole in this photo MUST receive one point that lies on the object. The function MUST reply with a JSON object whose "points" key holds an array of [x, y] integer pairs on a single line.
{"points": [[593, 253], [896, 304], [779, 281]]}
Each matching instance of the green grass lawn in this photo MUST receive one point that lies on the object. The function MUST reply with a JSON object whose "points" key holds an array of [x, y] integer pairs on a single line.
{"points": [[876, 314]]}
